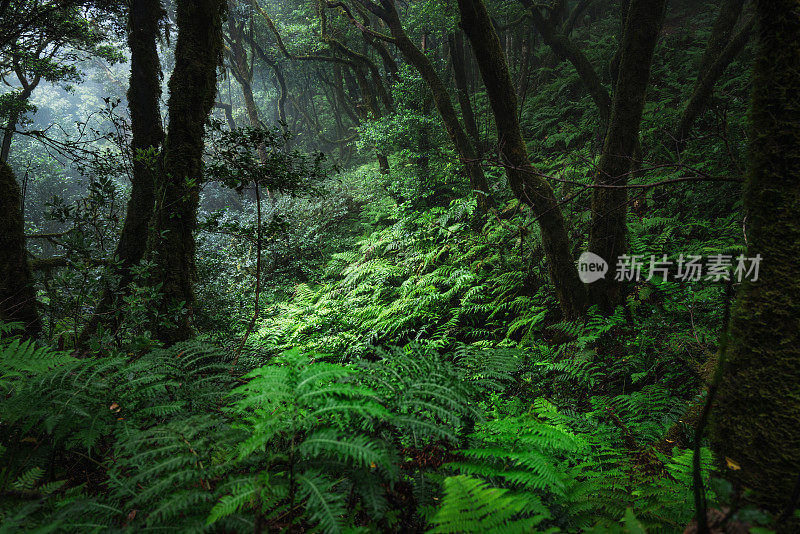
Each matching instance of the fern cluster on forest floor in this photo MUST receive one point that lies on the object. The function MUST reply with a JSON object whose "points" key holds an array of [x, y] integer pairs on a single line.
{"points": [[425, 385]]}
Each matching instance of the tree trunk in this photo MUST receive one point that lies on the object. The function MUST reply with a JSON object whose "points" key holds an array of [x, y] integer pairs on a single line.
{"points": [[566, 49], [719, 52], [457, 55], [192, 87], [370, 110], [528, 186], [144, 94], [728, 15], [280, 80], [25, 94], [441, 99], [608, 233], [757, 416], [17, 296], [243, 73]]}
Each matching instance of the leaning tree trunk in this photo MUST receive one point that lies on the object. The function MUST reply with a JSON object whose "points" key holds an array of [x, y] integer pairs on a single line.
{"points": [[608, 233], [17, 296], [566, 49], [370, 110], [144, 93], [192, 88], [757, 415], [720, 51], [24, 95], [242, 70], [528, 186]]}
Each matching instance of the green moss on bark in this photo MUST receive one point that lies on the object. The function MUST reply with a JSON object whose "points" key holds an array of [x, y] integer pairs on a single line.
{"points": [[756, 422], [192, 90], [528, 185]]}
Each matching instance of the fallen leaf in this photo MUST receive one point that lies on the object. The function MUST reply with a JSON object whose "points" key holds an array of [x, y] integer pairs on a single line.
{"points": [[732, 465]]}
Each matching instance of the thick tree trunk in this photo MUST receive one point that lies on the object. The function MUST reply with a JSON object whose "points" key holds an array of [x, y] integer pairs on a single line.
{"points": [[607, 237], [17, 296], [144, 94], [529, 187], [441, 99], [8, 135], [757, 415], [192, 88], [719, 52]]}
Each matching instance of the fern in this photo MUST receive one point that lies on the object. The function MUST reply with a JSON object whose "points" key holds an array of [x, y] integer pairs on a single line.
{"points": [[470, 505], [306, 423]]}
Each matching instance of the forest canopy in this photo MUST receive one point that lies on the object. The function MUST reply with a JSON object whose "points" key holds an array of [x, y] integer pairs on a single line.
{"points": [[454, 266]]}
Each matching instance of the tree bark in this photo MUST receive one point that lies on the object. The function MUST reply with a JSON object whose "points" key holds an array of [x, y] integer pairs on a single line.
{"points": [[280, 80], [729, 13], [369, 101], [367, 92], [756, 422], [17, 295], [370, 109], [243, 73], [144, 94], [192, 87], [608, 233], [529, 187], [25, 94]]}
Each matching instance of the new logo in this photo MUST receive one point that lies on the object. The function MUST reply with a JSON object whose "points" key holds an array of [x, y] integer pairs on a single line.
{"points": [[591, 267]]}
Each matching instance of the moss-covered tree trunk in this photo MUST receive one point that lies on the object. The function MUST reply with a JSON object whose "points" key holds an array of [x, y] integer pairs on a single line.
{"points": [[608, 233], [13, 119], [528, 186], [242, 70], [192, 89], [147, 134], [17, 296], [370, 110], [279, 82], [756, 421]]}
